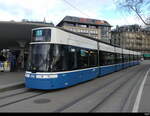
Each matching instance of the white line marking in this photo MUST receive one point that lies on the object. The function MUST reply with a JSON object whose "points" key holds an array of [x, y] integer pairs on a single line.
{"points": [[139, 95]]}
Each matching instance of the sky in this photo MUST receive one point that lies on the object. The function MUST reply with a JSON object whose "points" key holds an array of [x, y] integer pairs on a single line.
{"points": [[55, 10]]}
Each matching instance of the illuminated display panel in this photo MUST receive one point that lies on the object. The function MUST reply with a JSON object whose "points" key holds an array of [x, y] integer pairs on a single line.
{"points": [[41, 35]]}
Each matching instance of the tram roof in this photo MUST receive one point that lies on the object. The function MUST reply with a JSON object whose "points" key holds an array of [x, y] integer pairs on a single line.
{"points": [[86, 36], [94, 39]]}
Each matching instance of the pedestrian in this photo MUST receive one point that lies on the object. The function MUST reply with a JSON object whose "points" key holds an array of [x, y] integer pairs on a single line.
{"points": [[11, 60], [2, 60], [19, 62], [2, 57]]}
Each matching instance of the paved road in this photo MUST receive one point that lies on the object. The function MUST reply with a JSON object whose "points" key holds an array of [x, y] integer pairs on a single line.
{"points": [[116, 92], [7, 78]]}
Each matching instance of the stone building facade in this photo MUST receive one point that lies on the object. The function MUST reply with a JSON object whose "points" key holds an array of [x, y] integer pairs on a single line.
{"points": [[132, 37], [98, 29]]}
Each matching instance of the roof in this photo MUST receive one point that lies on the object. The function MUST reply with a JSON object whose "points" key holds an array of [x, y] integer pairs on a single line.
{"points": [[80, 20], [13, 32], [130, 28]]}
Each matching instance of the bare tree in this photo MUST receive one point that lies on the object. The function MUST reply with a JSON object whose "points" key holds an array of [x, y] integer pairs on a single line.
{"points": [[140, 7]]}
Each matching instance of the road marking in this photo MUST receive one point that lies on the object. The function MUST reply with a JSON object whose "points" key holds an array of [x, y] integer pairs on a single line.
{"points": [[139, 95]]}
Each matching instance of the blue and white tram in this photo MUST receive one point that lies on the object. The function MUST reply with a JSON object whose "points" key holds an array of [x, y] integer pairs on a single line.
{"points": [[59, 58]]}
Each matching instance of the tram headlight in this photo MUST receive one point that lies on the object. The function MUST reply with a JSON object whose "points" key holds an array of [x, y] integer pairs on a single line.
{"points": [[27, 75], [42, 76], [46, 76], [39, 76], [53, 76]]}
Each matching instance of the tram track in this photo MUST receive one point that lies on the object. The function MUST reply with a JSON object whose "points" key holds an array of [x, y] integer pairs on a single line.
{"points": [[119, 77], [132, 81], [18, 95], [134, 85], [23, 94]]}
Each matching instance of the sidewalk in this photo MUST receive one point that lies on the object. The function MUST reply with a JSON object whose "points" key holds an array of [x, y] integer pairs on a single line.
{"points": [[145, 97], [10, 79]]}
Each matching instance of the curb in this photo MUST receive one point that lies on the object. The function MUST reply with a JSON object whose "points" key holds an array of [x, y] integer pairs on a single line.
{"points": [[11, 86]]}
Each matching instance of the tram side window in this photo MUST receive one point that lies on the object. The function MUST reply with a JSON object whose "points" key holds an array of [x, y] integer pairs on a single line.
{"points": [[110, 58], [103, 58], [70, 58], [48, 35], [55, 56], [118, 58], [93, 60], [73, 54], [135, 57], [83, 59], [64, 57], [126, 57], [139, 57], [131, 57], [106, 58]]}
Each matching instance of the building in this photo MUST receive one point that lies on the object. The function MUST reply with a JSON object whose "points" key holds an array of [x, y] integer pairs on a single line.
{"points": [[132, 37], [98, 29]]}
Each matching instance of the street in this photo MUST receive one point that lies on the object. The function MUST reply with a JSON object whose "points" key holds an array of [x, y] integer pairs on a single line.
{"points": [[116, 92]]}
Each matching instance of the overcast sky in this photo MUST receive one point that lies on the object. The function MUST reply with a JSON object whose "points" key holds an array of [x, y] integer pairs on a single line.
{"points": [[56, 10]]}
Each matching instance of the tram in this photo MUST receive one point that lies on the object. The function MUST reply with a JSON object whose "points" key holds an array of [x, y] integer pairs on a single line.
{"points": [[59, 58]]}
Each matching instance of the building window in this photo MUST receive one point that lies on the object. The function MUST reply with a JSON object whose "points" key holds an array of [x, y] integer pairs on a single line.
{"points": [[81, 25], [92, 26], [74, 30], [69, 24], [105, 32]]}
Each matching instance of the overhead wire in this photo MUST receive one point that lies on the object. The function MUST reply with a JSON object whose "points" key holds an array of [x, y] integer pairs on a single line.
{"points": [[76, 8]]}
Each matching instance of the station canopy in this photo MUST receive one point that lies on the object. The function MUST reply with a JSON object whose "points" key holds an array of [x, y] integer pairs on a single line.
{"points": [[15, 34]]}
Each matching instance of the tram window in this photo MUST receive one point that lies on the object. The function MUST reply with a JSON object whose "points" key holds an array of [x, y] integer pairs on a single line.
{"points": [[93, 58], [107, 58], [118, 58], [131, 57], [48, 35], [121, 58], [83, 59], [139, 57], [126, 57], [101, 58], [41, 35], [64, 57], [72, 57], [56, 58], [135, 57]]}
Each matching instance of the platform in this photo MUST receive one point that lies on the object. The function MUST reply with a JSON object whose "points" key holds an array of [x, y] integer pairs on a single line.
{"points": [[11, 79]]}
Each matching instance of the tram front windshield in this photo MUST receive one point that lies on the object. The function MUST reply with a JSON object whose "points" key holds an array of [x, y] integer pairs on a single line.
{"points": [[38, 57], [44, 58]]}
